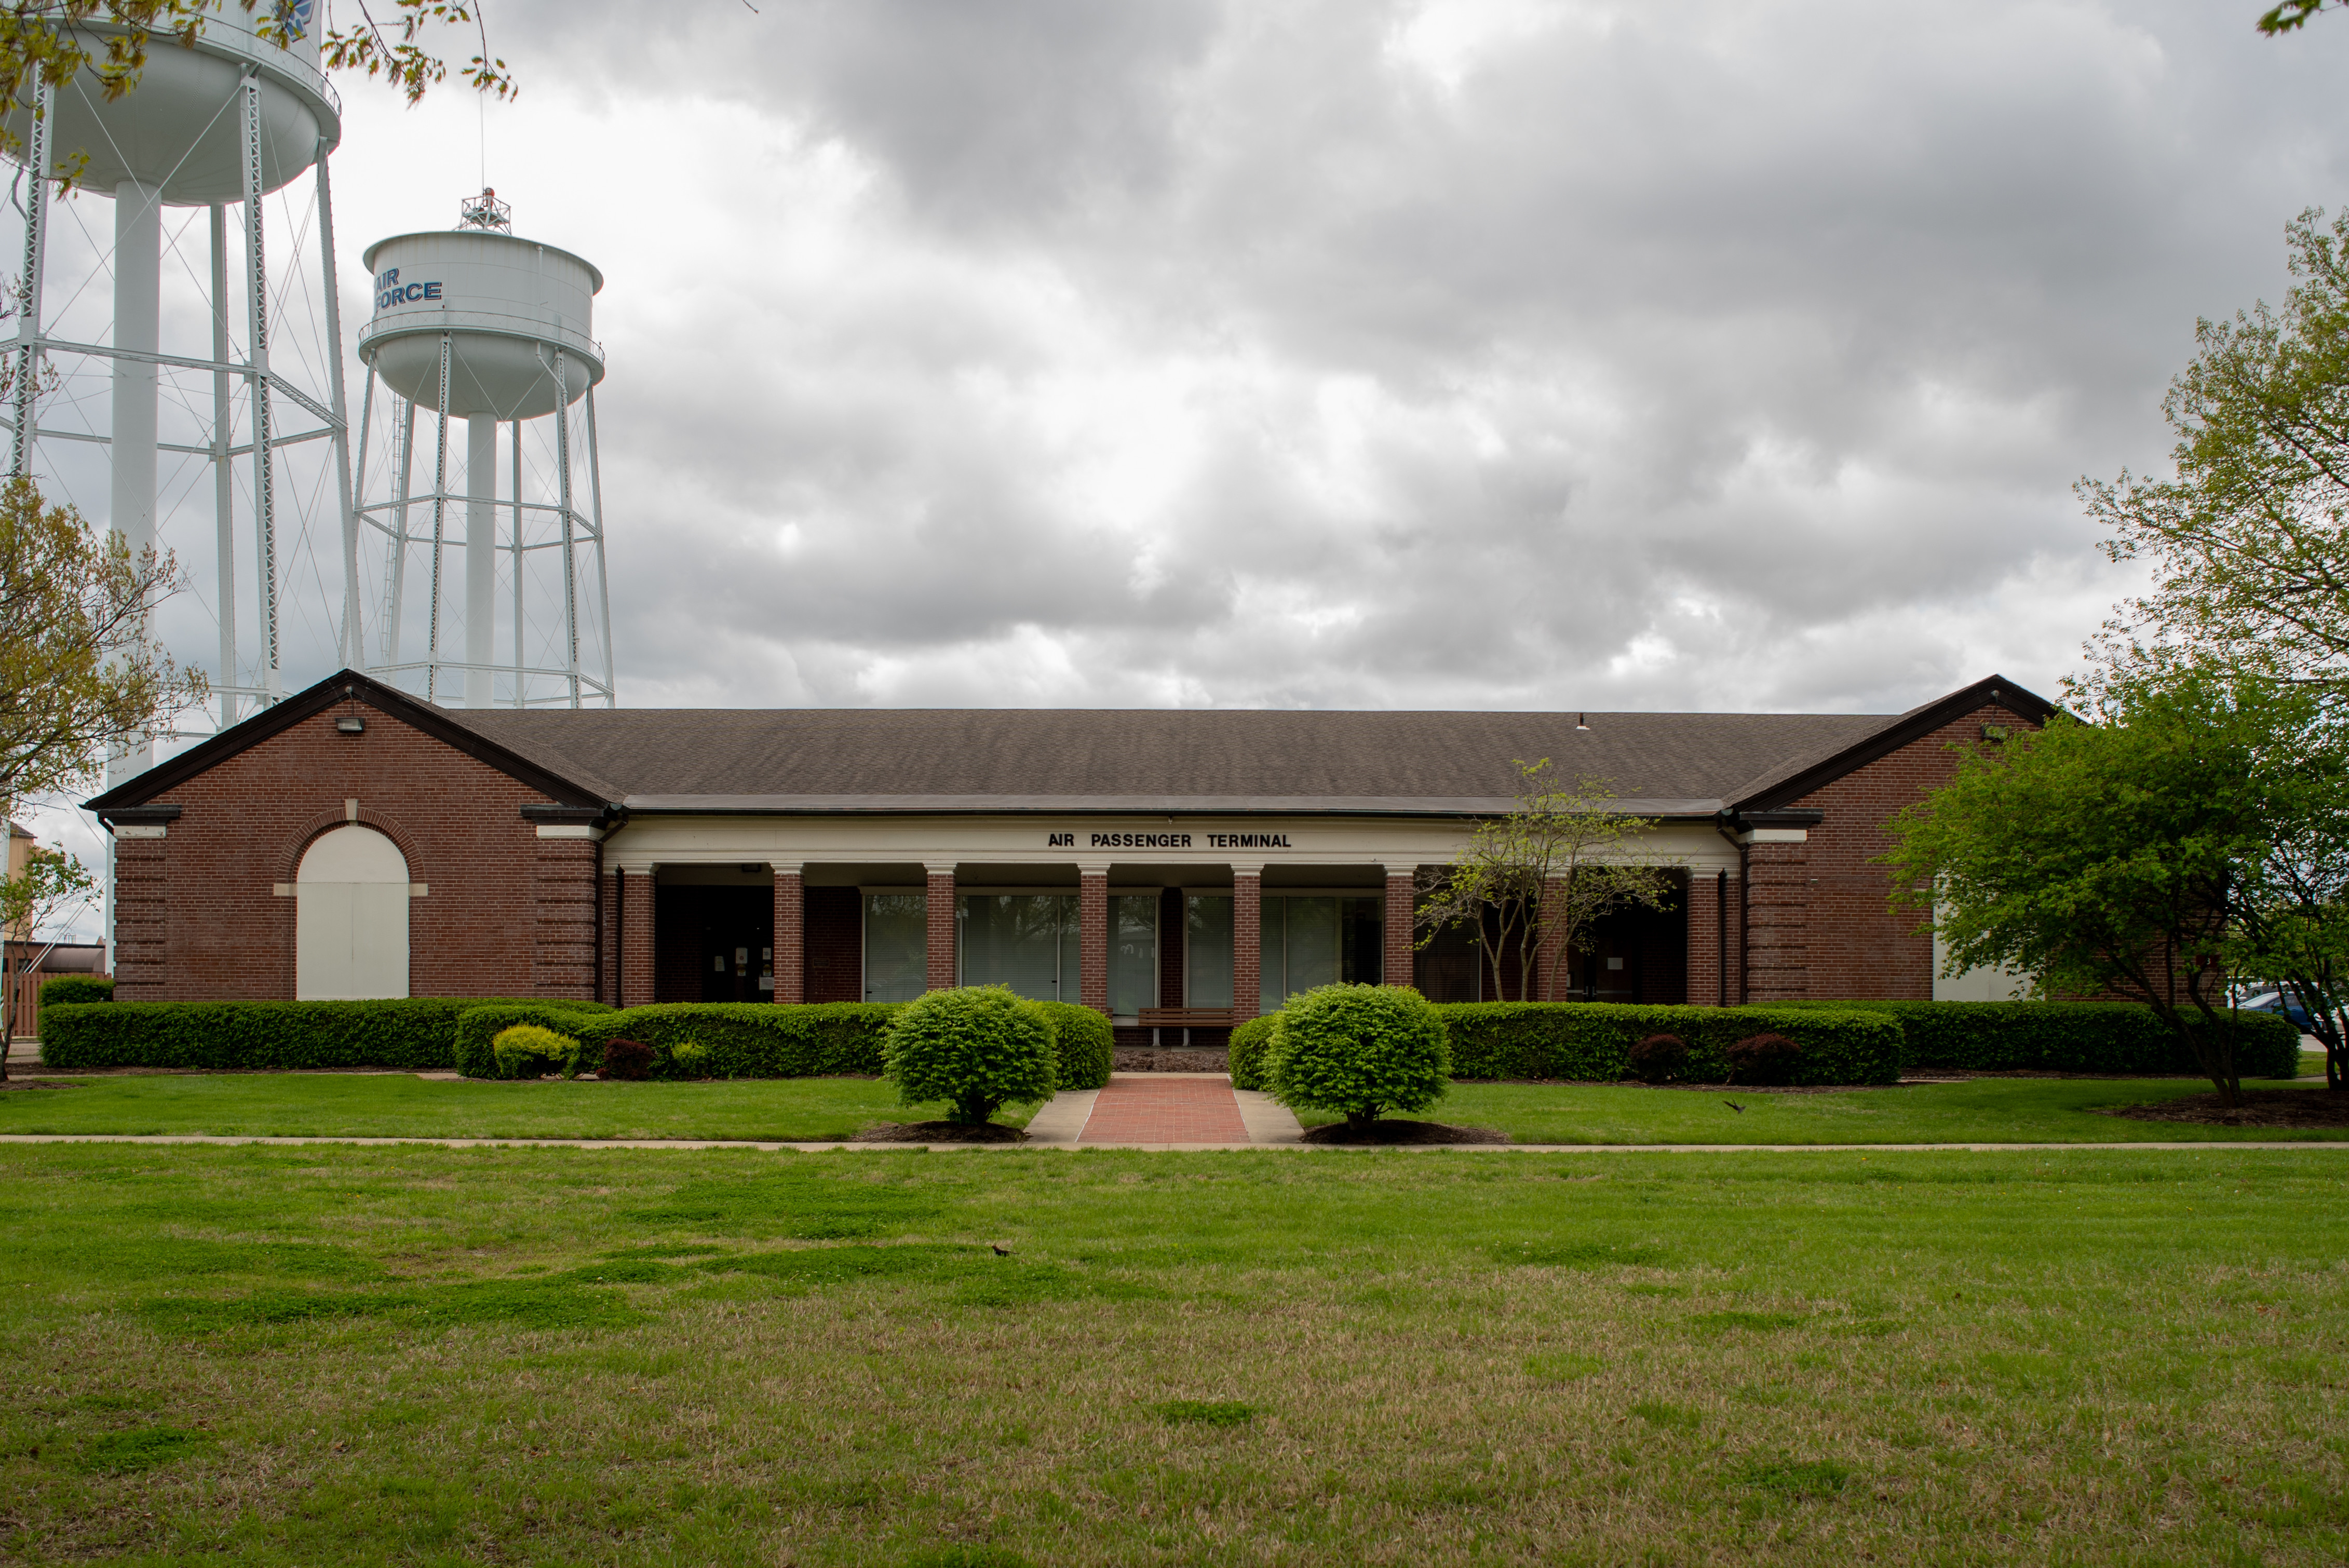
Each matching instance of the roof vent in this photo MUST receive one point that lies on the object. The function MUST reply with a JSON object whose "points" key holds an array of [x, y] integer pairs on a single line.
{"points": [[1582, 721]]}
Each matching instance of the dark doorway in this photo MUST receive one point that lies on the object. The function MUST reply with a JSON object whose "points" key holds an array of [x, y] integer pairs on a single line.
{"points": [[1637, 955], [715, 945]]}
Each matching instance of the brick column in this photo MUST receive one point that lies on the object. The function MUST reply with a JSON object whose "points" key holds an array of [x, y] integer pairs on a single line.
{"points": [[636, 896], [562, 895], [1092, 937], [1402, 901], [607, 942], [1710, 982], [791, 934], [940, 971], [1777, 917], [1248, 943], [140, 905], [1547, 982]]}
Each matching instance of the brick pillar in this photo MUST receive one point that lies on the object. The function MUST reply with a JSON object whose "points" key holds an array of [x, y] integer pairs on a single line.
{"points": [[1093, 938], [1248, 944], [636, 894], [1552, 961], [562, 895], [1713, 938], [1777, 916], [607, 940], [139, 903], [1395, 966], [791, 934], [940, 971]]}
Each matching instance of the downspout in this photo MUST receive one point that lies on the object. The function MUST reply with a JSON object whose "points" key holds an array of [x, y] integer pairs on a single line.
{"points": [[1721, 937]]}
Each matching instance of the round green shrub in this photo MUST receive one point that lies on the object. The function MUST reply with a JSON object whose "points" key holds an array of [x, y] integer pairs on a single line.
{"points": [[976, 1047], [1359, 1050], [527, 1049], [1083, 1045], [1246, 1052]]}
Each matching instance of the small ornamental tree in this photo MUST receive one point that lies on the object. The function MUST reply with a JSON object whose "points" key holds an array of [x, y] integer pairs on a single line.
{"points": [[976, 1047], [1359, 1050]]}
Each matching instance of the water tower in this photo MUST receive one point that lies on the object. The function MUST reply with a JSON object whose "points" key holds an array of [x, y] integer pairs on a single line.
{"points": [[478, 324], [231, 119]]}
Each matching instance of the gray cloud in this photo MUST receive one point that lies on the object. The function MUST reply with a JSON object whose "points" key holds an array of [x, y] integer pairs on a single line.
{"points": [[1356, 355]]}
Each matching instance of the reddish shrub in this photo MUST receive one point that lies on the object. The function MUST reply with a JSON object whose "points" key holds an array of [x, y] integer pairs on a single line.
{"points": [[1660, 1059], [625, 1059], [1765, 1059]]}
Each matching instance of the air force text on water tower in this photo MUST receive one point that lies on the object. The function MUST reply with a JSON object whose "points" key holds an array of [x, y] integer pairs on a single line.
{"points": [[390, 291]]}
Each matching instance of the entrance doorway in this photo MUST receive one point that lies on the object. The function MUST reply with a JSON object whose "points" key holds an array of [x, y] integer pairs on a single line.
{"points": [[715, 943]]}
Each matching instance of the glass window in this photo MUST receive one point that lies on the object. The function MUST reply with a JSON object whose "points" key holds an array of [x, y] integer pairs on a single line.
{"points": [[896, 945], [1363, 931], [1020, 939], [1272, 988], [1132, 953], [1312, 943], [1451, 967], [1208, 950]]}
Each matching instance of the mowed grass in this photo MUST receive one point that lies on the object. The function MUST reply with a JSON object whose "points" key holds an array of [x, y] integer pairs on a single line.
{"points": [[401, 1105], [401, 1354], [806, 1110], [1979, 1110]]}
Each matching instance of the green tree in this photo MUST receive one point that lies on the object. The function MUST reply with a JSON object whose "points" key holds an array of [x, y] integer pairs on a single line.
{"points": [[1545, 872], [53, 41], [2112, 858], [2290, 912], [79, 671], [2280, 19], [52, 885], [2248, 542]]}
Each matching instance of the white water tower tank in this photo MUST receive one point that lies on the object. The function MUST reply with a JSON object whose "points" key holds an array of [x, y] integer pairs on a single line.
{"points": [[507, 306], [179, 130]]}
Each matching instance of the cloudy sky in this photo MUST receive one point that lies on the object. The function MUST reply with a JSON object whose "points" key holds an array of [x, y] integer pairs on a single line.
{"points": [[1439, 353]]}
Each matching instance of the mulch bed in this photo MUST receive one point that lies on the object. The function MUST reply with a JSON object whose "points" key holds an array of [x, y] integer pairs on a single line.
{"points": [[2261, 1108], [940, 1132], [1386, 1132]]}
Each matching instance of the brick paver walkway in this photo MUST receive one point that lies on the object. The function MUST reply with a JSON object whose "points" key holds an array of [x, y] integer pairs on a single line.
{"points": [[1164, 1109]]}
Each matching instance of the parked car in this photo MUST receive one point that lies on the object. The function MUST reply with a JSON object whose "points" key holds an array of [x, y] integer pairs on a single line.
{"points": [[2277, 1001]]}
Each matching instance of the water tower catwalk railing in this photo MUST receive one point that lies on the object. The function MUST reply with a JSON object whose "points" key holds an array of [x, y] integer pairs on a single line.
{"points": [[254, 107], [525, 377]]}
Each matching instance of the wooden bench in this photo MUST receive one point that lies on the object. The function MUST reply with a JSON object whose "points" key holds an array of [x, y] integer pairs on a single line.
{"points": [[1186, 1018]]}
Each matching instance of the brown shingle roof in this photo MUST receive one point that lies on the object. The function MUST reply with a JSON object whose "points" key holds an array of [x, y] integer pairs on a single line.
{"points": [[1149, 760]]}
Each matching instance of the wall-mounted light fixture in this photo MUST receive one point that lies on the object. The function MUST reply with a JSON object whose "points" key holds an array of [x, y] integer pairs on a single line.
{"points": [[350, 724]]}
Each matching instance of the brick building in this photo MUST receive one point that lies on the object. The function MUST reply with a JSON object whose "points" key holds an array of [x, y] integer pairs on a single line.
{"points": [[1177, 869]]}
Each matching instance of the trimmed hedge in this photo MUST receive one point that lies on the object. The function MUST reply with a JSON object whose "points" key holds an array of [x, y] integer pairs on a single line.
{"points": [[75, 990], [1592, 1041], [2119, 1037], [1249, 1042], [417, 1032], [1083, 1042], [739, 1040]]}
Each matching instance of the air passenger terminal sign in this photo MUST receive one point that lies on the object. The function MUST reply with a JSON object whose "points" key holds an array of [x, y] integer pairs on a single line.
{"points": [[1166, 841]]}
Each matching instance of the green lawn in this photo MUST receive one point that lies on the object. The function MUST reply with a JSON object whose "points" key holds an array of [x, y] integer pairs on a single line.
{"points": [[2026, 1110], [396, 1105], [1982, 1110], [421, 1355]]}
